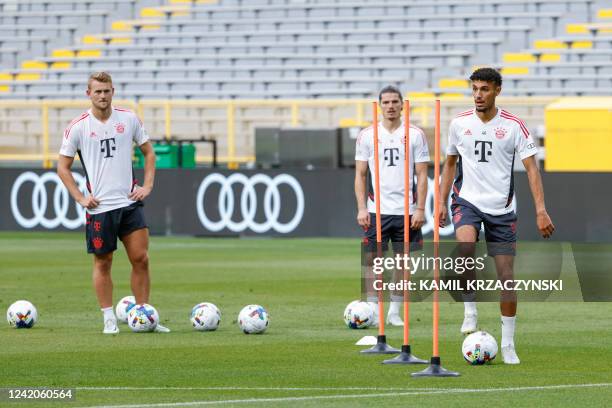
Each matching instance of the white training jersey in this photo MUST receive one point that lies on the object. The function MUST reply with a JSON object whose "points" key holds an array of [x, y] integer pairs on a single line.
{"points": [[485, 170], [391, 153], [105, 150]]}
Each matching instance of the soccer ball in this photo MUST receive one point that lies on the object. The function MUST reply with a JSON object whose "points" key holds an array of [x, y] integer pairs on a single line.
{"points": [[347, 310], [253, 319], [22, 314], [205, 317], [142, 318], [479, 348], [358, 315], [123, 307]]}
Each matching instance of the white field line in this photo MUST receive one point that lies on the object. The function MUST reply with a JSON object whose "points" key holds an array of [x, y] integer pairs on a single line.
{"points": [[356, 396], [253, 389]]}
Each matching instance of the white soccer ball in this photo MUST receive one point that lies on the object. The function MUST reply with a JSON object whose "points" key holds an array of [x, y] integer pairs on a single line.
{"points": [[347, 309], [479, 348], [205, 317], [358, 315], [22, 314], [253, 319], [123, 308], [143, 318]]}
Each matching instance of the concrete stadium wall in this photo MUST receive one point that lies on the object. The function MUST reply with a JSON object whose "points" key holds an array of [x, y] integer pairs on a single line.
{"points": [[289, 203]]}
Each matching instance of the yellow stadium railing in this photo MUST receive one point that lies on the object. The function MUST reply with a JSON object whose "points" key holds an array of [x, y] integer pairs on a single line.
{"points": [[228, 121]]}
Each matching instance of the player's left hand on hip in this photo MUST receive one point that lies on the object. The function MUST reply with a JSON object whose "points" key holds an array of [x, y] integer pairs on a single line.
{"points": [[545, 224], [139, 193]]}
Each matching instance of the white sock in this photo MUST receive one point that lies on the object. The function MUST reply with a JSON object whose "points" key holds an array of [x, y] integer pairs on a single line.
{"points": [[470, 308], [108, 313], [508, 330], [372, 299], [394, 308]]}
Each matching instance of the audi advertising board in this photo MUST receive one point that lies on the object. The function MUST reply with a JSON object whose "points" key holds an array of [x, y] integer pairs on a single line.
{"points": [[282, 203]]}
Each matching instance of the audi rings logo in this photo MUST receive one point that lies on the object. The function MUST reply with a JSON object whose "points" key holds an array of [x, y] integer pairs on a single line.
{"points": [[40, 201], [248, 203]]}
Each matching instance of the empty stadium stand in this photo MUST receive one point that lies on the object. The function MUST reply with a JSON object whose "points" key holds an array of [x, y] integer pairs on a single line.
{"points": [[232, 50]]}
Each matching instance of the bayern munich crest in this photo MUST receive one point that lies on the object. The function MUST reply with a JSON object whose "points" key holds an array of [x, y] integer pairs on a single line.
{"points": [[500, 133]]}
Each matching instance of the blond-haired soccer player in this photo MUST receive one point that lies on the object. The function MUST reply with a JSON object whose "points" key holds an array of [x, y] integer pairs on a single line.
{"points": [[483, 144], [103, 138]]}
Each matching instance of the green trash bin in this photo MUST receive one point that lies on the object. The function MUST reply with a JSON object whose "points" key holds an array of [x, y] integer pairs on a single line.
{"points": [[166, 156], [187, 156]]}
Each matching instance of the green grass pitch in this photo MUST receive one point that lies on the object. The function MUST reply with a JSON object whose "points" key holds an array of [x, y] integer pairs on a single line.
{"points": [[306, 358]]}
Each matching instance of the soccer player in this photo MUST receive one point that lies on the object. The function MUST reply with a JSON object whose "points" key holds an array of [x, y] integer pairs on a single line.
{"points": [[103, 137], [391, 140], [483, 144]]}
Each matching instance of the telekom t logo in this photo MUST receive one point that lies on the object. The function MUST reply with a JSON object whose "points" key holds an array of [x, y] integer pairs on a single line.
{"points": [[482, 150], [391, 155], [107, 147]]}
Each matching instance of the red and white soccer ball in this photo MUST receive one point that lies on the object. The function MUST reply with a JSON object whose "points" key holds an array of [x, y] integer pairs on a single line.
{"points": [[22, 315], [205, 317], [143, 318], [253, 319], [123, 308], [358, 315], [479, 348]]}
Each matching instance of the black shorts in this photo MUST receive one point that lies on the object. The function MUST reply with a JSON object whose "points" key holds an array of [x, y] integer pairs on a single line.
{"points": [[500, 230], [102, 230], [392, 228]]}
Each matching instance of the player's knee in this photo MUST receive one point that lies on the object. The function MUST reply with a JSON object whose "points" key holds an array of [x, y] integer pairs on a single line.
{"points": [[505, 273], [466, 233], [141, 259]]}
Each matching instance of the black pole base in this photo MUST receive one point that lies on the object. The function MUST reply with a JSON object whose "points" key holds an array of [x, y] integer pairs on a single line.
{"points": [[381, 347], [435, 370], [405, 357]]}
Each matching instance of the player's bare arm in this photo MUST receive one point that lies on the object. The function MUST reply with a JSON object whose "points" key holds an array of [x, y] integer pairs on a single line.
{"points": [[418, 218], [448, 175], [64, 164], [361, 172], [141, 192], [543, 220]]}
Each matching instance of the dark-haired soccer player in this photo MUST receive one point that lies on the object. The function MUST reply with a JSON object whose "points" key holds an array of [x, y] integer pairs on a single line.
{"points": [[391, 140], [483, 144], [103, 138]]}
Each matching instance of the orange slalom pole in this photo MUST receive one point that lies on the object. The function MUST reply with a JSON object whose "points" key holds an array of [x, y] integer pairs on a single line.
{"points": [[381, 306], [406, 217], [406, 356], [436, 306], [435, 368]]}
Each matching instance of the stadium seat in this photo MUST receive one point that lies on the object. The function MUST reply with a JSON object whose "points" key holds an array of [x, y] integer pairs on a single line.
{"points": [[604, 13], [518, 57], [514, 71], [453, 83]]}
